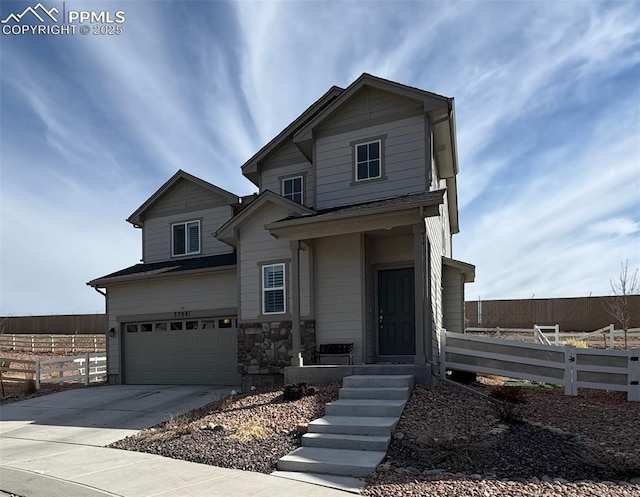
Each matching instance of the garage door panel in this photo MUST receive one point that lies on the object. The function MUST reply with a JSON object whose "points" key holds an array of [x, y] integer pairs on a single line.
{"points": [[187, 356]]}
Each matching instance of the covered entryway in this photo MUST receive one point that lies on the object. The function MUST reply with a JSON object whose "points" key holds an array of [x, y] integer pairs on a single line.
{"points": [[396, 325], [181, 352]]}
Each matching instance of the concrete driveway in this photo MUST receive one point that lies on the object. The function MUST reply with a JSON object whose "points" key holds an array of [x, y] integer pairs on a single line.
{"points": [[100, 415], [53, 446]]}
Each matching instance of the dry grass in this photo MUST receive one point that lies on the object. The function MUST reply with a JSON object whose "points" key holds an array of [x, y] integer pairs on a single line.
{"points": [[246, 432]]}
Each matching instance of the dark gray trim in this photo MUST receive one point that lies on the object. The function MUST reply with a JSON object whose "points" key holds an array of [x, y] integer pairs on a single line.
{"points": [[353, 144], [376, 268]]}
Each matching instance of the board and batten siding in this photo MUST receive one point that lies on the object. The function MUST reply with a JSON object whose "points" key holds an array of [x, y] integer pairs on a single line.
{"points": [[195, 292], [157, 233], [338, 291], [405, 165], [257, 247]]}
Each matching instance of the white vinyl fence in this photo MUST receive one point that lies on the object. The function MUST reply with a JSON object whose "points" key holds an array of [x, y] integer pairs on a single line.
{"points": [[53, 343], [607, 337], [565, 365], [81, 368]]}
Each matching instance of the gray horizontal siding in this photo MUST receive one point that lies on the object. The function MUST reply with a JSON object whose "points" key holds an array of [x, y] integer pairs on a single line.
{"points": [[271, 179], [404, 158], [157, 233], [338, 290], [257, 246], [184, 196]]}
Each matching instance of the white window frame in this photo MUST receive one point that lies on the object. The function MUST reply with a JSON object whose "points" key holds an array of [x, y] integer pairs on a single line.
{"points": [[355, 160], [186, 240], [291, 178], [271, 289]]}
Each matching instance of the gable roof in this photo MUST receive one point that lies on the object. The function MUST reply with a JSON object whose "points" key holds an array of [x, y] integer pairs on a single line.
{"points": [[137, 217], [431, 101], [227, 232], [250, 168], [166, 267]]}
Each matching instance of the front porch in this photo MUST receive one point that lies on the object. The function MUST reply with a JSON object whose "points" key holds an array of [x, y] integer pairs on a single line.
{"points": [[335, 373]]}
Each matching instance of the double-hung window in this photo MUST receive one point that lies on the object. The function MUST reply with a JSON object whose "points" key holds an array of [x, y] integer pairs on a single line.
{"points": [[185, 238], [273, 289], [368, 162], [292, 189]]}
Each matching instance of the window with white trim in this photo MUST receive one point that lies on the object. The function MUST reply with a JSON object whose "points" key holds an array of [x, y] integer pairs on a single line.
{"points": [[368, 163], [185, 238], [273, 289], [292, 189]]}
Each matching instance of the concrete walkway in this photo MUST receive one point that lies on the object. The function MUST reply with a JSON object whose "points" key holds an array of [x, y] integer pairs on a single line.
{"points": [[53, 446]]}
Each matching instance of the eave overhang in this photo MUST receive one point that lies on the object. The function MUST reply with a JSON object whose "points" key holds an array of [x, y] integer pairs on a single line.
{"points": [[137, 218], [228, 232], [468, 270], [168, 272], [358, 220]]}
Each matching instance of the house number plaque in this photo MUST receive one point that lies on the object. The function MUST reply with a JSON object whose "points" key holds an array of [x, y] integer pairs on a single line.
{"points": [[182, 314]]}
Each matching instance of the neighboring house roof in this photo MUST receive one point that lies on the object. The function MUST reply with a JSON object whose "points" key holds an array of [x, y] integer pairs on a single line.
{"points": [[227, 232], [251, 168], [166, 267], [137, 217]]}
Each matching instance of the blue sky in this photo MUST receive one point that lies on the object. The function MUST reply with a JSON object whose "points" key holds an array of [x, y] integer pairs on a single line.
{"points": [[548, 120]]}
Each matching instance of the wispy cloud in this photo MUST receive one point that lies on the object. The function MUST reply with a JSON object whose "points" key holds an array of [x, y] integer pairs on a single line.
{"points": [[548, 114]]}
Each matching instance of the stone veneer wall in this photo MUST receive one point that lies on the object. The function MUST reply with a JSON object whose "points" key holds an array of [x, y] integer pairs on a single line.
{"points": [[266, 348]]}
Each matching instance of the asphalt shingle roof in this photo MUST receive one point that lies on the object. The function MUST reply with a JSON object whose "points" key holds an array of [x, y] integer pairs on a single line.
{"points": [[174, 266]]}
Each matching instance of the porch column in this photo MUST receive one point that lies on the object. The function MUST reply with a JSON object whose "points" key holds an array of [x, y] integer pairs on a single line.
{"points": [[296, 358], [419, 278]]}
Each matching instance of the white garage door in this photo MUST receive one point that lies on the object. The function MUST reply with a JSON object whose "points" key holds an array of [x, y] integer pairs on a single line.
{"points": [[181, 352]]}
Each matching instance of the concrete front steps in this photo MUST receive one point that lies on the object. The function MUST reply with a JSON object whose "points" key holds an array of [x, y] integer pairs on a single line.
{"points": [[353, 436]]}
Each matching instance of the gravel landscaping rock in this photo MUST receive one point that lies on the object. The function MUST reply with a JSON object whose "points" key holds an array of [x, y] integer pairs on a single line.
{"points": [[247, 431], [449, 442]]}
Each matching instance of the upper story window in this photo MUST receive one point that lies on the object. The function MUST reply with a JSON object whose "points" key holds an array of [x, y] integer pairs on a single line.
{"points": [[292, 189], [368, 160], [273, 289], [185, 238]]}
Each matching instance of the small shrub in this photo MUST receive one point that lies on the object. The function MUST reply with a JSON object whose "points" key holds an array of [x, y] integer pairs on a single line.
{"points": [[297, 391], [512, 395], [29, 386], [436, 451], [618, 464], [508, 404]]}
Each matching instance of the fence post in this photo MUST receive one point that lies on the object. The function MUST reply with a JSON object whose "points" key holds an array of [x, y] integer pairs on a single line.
{"points": [[611, 337], [53, 344], [633, 388], [443, 343], [95, 344], [73, 344], [37, 374], [570, 373], [87, 365], [33, 344], [557, 334], [13, 342]]}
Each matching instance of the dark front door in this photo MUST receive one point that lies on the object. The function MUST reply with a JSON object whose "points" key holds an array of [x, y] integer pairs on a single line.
{"points": [[396, 328]]}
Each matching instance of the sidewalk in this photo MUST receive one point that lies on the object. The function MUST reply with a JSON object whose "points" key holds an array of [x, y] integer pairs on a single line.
{"points": [[64, 470]]}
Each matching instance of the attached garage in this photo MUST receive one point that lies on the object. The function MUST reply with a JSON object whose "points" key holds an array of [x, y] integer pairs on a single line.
{"points": [[181, 352]]}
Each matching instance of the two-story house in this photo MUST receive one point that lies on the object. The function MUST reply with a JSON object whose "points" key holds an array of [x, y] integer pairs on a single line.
{"points": [[347, 241]]}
